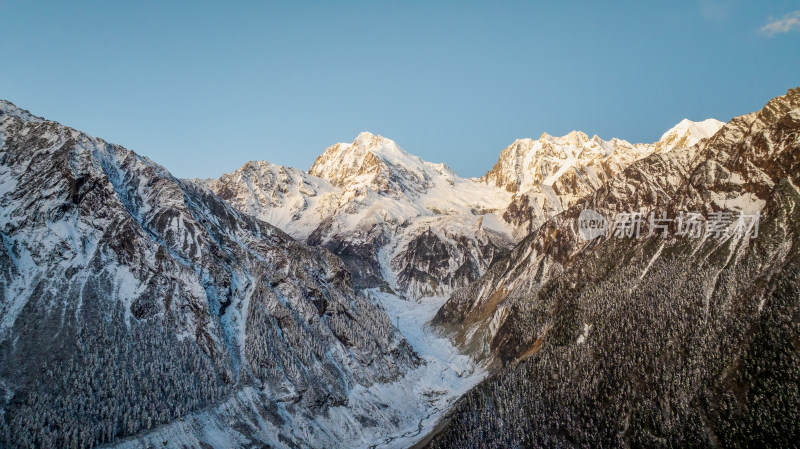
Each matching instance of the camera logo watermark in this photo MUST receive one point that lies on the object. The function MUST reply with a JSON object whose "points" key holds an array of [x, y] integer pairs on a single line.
{"points": [[719, 224]]}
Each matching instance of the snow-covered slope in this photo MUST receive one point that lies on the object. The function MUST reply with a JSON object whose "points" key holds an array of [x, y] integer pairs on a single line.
{"points": [[550, 174], [130, 299], [528, 163], [650, 341], [396, 220], [391, 415], [687, 133], [729, 171], [285, 197]]}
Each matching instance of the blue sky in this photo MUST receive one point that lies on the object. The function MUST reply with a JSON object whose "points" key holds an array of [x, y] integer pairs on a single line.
{"points": [[203, 87]]}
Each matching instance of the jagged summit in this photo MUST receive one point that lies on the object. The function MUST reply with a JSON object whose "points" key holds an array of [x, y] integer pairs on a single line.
{"points": [[9, 108], [687, 133], [529, 164], [573, 136], [705, 127], [550, 174], [376, 163], [369, 158], [370, 202]]}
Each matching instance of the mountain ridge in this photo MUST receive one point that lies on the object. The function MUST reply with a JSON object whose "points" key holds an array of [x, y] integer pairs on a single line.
{"points": [[373, 203], [229, 282], [131, 299], [383, 203], [649, 341]]}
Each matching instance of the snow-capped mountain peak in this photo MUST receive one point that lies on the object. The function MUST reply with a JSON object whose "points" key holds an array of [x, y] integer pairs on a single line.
{"points": [[10, 109], [687, 133], [274, 193], [366, 139], [528, 163], [371, 202], [550, 174], [370, 160], [577, 137]]}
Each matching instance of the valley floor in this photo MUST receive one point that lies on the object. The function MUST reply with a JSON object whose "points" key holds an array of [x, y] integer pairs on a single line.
{"points": [[389, 415], [445, 376]]}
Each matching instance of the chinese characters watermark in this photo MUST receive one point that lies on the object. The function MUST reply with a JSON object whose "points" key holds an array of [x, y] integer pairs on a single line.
{"points": [[719, 224]]}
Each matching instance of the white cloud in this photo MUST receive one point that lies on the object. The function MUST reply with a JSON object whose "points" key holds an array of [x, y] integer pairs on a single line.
{"points": [[787, 23]]}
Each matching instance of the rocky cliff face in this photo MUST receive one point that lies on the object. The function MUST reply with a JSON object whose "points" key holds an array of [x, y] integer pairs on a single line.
{"points": [[130, 299], [650, 341]]}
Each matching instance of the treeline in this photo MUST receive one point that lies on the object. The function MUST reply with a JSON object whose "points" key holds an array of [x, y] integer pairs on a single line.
{"points": [[689, 356], [120, 381]]}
